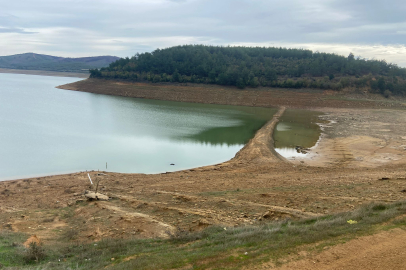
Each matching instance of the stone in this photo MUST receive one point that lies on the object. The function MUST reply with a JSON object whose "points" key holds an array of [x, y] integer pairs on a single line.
{"points": [[204, 222], [90, 195]]}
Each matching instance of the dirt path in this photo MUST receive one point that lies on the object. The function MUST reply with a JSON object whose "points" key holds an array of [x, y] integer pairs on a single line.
{"points": [[385, 250], [152, 227], [260, 149]]}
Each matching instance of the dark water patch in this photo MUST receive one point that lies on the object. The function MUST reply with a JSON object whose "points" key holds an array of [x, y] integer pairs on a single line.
{"points": [[297, 130], [250, 120]]}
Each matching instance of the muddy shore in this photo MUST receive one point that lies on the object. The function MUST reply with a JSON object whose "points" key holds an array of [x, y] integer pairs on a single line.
{"points": [[360, 159], [216, 94]]}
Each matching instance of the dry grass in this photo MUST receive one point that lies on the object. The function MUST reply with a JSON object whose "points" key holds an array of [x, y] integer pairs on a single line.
{"points": [[215, 247]]}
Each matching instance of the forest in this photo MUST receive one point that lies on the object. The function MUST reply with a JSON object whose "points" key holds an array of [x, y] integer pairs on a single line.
{"points": [[258, 66]]}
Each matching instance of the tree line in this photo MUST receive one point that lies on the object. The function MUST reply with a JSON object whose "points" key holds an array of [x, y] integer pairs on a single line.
{"points": [[258, 66]]}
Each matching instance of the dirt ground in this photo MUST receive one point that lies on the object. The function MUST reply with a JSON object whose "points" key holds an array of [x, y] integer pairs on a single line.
{"points": [[385, 250], [359, 159]]}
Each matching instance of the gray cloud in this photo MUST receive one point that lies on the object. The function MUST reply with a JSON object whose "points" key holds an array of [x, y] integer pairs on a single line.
{"points": [[123, 27], [14, 30]]}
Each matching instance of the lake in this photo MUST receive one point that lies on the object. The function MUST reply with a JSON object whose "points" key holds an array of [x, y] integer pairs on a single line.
{"points": [[45, 130]]}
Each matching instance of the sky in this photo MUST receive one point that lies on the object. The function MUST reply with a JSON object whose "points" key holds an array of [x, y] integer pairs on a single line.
{"points": [[372, 29]]}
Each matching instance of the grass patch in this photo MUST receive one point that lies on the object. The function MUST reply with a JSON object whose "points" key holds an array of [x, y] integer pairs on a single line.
{"points": [[11, 249], [217, 247]]}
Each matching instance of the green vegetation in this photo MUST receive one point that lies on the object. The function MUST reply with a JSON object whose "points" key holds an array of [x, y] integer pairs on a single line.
{"points": [[213, 248], [33, 61], [253, 67]]}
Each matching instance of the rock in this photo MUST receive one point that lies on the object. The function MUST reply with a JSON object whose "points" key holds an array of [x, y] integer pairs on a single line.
{"points": [[301, 149], [90, 195], [182, 198], [268, 214], [204, 222]]}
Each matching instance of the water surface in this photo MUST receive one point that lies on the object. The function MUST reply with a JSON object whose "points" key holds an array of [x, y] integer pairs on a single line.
{"points": [[296, 128], [44, 130]]}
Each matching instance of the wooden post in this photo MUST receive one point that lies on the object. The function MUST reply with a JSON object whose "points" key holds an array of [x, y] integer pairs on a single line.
{"points": [[97, 186], [90, 179]]}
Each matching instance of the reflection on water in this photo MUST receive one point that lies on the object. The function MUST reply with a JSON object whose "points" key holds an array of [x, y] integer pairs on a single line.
{"points": [[45, 130], [289, 152], [296, 128], [246, 124]]}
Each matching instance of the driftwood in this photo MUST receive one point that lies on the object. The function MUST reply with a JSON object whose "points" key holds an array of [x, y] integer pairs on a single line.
{"points": [[91, 195]]}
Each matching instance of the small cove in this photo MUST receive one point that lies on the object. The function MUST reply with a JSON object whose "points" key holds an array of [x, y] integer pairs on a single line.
{"points": [[296, 128]]}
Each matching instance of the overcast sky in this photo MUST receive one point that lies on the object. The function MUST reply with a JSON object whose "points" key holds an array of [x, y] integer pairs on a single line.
{"points": [[74, 28]]}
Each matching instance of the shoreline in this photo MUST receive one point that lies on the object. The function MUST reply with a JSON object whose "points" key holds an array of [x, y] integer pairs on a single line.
{"points": [[45, 73], [327, 152], [227, 95]]}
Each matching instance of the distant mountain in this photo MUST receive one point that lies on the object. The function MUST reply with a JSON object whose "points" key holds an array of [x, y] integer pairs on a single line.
{"points": [[33, 61]]}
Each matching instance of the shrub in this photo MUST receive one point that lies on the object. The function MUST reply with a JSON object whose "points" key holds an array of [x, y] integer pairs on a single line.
{"points": [[387, 93], [35, 252]]}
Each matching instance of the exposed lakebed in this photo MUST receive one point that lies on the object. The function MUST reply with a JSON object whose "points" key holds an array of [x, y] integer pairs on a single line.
{"points": [[45, 130]]}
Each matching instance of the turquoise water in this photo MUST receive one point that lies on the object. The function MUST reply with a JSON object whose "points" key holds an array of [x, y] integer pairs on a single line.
{"points": [[44, 130]]}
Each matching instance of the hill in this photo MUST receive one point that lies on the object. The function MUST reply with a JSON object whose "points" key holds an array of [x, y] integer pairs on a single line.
{"points": [[33, 61], [259, 66]]}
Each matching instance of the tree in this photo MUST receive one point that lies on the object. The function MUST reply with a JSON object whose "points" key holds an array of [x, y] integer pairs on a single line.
{"points": [[240, 83], [381, 85], [176, 76], [254, 82]]}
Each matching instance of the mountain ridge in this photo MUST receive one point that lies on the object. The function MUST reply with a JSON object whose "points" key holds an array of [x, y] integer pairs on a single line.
{"points": [[34, 61]]}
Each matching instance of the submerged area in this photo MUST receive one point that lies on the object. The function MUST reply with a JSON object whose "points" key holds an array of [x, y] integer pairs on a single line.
{"points": [[296, 131], [45, 130]]}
